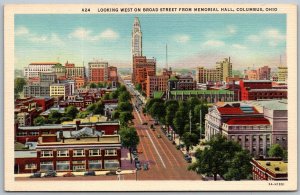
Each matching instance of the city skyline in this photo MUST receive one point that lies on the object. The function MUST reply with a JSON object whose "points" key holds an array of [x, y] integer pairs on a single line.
{"points": [[257, 39]]}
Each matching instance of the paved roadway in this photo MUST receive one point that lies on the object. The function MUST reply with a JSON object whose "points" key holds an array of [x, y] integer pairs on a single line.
{"points": [[166, 162]]}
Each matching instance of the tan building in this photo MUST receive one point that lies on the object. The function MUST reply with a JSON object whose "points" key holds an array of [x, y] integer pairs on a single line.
{"points": [[282, 74], [251, 75], [269, 169], [222, 70], [73, 71], [60, 90]]}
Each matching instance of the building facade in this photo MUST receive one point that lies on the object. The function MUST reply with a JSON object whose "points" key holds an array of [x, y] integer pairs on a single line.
{"points": [[222, 70], [60, 90], [34, 69], [282, 74], [73, 71], [156, 83], [260, 89], [136, 38], [98, 72], [142, 68], [269, 169]]}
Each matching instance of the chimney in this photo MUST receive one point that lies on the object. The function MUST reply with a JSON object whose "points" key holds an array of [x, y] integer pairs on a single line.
{"points": [[63, 139], [98, 138], [77, 124]]}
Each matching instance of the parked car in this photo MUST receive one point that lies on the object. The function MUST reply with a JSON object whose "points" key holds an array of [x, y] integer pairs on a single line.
{"points": [[35, 175], [145, 123], [111, 173], [69, 174], [138, 166], [50, 173], [90, 173], [188, 158]]}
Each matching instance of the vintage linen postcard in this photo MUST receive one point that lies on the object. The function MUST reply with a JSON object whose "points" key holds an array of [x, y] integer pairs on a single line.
{"points": [[150, 97]]}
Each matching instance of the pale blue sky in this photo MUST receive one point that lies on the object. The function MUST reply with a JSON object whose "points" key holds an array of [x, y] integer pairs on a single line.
{"points": [[192, 40]]}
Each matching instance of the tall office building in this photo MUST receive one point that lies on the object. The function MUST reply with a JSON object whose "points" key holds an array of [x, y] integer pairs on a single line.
{"points": [[136, 38]]}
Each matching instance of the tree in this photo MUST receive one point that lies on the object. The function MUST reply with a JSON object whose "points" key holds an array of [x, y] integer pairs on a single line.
{"points": [[122, 88], [220, 158], [138, 87], [157, 111], [99, 108], [91, 107], [124, 118], [54, 117], [171, 110], [115, 114], [276, 151], [100, 85], [83, 114], [124, 107], [189, 140], [114, 95], [106, 96], [124, 97], [71, 112], [19, 84], [93, 85], [239, 167], [179, 123], [129, 138], [150, 102], [39, 121], [65, 118]]}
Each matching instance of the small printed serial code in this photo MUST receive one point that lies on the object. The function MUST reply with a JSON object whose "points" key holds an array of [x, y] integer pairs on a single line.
{"points": [[276, 184]]}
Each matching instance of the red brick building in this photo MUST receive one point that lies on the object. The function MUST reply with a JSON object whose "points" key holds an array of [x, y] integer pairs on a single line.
{"points": [[156, 83], [112, 74], [44, 103], [71, 154], [269, 169], [260, 89], [143, 67], [98, 72]]}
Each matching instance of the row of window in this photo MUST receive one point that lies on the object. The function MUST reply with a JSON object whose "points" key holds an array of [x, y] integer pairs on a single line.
{"points": [[22, 133], [78, 153]]}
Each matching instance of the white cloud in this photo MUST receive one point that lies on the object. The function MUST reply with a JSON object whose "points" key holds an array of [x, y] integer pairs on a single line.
{"points": [[182, 38], [88, 35], [231, 29], [22, 30], [239, 46], [109, 34], [213, 43], [270, 36]]}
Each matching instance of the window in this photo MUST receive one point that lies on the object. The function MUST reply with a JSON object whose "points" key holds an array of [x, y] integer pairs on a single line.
{"points": [[34, 133], [111, 152], [95, 164], [95, 152], [62, 165], [62, 153], [30, 166], [46, 153], [21, 133], [111, 164], [78, 153], [45, 166]]}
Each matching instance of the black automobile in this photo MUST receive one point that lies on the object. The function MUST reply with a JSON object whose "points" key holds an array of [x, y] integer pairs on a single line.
{"points": [[138, 166], [90, 173], [111, 173], [188, 158], [50, 173], [35, 175]]}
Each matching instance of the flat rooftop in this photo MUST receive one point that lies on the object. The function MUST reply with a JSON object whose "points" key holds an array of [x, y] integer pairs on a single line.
{"points": [[283, 166], [106, 139], [196, 92], [91, 119]]}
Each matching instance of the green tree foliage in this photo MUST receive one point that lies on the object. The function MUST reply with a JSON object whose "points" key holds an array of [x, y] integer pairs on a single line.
{"points": [[129, 138], [93, 85], [224, 158], [40, 120], [100, 85], [239, 166], [190, 140], [150, 102], [157, 111], [179, 122], [115, 114], [83, 114], [124, 96], [171, 110], [125, 107], [19, 84], [122, 88], [71, 112], [106, 96], [138, 87], [65, 118], [99, 108], [124, 118], [277, 151], [54, 117], [91, 107], [114, 95]]}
